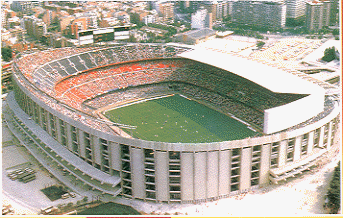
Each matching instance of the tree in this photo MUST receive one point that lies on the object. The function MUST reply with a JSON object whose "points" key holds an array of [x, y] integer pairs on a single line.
{"points": [[329, 54], [85, 199], [335, 32], [70, 204], [260, 44], [6, 53], [334, 192]]}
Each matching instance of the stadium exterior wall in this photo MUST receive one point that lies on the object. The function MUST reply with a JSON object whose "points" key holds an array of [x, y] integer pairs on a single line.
{"points": [[176, 172]]}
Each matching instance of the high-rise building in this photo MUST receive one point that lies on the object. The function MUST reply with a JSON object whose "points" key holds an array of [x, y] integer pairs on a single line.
{"points": [[22, 6], [39, 30], [229, 6], [201, 19], [167, 10], [317, 14], [35, 26], [211, 7], [92, 19], [25, 6], [65, 21], [270, 14], [77, 25], [18, 32], [150, 18], [295, 10], [225, 9], [334, 13], [3, 18]]}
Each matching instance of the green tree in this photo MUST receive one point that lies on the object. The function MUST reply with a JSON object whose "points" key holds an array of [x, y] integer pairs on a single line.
{"points": [[329, 54], [260, 44], [85, 199], [132, 38], [335, 32], [6, 53], [334, 192]]}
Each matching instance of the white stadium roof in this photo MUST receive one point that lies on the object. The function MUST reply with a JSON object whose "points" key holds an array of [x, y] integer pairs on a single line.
{"points": [[274, 79]]}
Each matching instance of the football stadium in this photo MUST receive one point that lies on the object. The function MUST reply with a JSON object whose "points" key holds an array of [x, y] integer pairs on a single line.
{"points": [[167, 122]]}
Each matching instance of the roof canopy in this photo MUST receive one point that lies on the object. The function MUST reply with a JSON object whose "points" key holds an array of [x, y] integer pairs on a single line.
{"points": [[274, 79]]}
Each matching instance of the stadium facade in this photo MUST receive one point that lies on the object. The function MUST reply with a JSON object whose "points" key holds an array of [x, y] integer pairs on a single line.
{"points": [[53, 112]]}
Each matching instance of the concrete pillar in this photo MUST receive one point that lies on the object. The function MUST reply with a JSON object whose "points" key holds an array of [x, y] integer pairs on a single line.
{"points": [[48, 126], [321, 137], [82, 145], [212, 174], [115, 156], [329, 136], [265, 163], [96, 151], [69, 138], [41, 115], [37, 111], [161, 174], [137, 173], [310, 142], [187, 176], [58, 131], [200, 177], [297, 148], [91, 138], [224, 172], [245, 176], [282, 153]]}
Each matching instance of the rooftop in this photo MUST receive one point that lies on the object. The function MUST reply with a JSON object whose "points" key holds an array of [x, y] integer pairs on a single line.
{"points": [[272, 78], [200, 34]]}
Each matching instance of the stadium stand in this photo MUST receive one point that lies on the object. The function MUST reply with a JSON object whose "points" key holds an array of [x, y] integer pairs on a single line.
{"points": [[62, 89]]}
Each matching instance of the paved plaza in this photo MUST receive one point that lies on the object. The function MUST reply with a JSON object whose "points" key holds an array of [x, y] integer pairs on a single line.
{"points": [[25, 195]]}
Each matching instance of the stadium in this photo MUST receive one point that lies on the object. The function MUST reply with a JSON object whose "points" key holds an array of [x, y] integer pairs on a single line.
{"points": [[168, 123]]}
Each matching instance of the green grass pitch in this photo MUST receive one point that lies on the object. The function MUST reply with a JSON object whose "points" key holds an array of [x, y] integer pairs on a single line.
{"points": [[178, 119]]}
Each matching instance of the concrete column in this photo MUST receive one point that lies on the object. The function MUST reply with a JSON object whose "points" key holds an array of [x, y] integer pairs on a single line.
{"points": [[137, 173], [187, 176], [212, 174], [161, 174], [48, 125], [329, 136], [96, 152], [297, 148], [45, 115], [92, 147], [200, 177], [69, 138], [82, 146], [282, 153], [115, 158], [310, 142], [37, 111], [224, 172], [40, 117], [265, 164], [245, 182], [321, 137], [58, 130]]}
